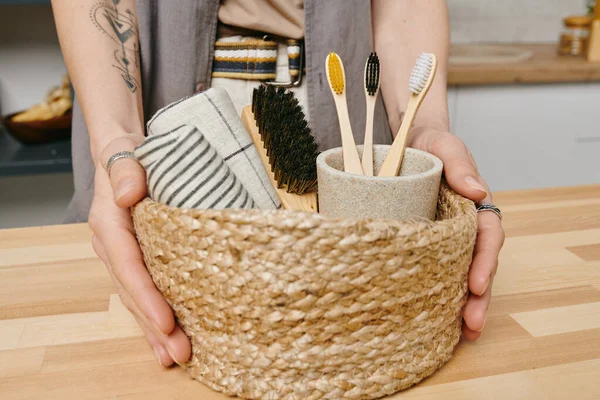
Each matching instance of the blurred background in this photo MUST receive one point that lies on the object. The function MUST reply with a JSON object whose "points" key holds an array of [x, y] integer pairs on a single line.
{"points": [[524, 94]]}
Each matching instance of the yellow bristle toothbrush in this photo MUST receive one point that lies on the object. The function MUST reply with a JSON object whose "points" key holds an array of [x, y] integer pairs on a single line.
{"points": [[337, 83], [421, 79], [372, 74]]}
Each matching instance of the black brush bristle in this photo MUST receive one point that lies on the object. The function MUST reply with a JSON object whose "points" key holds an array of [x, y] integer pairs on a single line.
{"points": [[372, 74], [288, 140]]}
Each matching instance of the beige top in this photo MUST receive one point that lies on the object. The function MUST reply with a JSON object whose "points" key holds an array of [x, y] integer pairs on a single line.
{"points": [[277, 17]]}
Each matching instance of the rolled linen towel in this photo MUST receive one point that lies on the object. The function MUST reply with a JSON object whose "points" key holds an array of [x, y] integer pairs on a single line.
{"points": [[183, 170], [199, 155]]}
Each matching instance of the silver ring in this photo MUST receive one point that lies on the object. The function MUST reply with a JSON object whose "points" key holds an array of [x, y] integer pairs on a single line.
{"points": [[490, 207], [118, 156]]}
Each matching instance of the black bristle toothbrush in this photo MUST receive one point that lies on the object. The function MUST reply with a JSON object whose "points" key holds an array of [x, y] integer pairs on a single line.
{"points": [[372, 77]]}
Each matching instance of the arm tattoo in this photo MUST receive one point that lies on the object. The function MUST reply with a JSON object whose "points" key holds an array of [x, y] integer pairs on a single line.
{"points": [[122, 28]]}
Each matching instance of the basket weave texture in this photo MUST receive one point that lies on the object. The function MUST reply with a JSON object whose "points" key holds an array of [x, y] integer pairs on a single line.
{"points": [[287, 305]]}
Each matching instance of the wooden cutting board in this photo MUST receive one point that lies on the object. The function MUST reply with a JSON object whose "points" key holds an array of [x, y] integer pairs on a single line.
{"points": [[64, 334]]}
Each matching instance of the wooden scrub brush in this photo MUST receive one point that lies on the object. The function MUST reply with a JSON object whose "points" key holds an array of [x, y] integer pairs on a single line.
{"points": [[283, 139]]}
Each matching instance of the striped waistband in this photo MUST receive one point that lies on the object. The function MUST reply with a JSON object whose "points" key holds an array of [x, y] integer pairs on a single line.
{"points": [[254, 59]]}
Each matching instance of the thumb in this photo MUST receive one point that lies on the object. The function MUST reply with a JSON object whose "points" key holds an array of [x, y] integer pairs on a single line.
{"points": [[460, 169], [127, 177]]}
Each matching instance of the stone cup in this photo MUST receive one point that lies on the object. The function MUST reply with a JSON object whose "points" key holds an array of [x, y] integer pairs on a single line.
{"points": [[412, 194]]}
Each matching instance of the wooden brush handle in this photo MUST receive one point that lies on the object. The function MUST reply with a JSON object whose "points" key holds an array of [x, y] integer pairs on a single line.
{"points": [[367, 156], [393, 161], [289, 201], [350, 153]]}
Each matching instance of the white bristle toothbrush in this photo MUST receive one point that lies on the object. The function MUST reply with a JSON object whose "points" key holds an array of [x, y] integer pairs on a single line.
{"points": [[421, 79], [337, 82], [372, 73]]}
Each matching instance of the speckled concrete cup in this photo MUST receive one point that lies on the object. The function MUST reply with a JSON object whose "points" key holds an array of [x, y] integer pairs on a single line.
{"points": [[412, 194]]}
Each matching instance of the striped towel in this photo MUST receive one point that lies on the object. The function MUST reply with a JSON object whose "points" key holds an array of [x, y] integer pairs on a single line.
{"points": [[199, 155]]}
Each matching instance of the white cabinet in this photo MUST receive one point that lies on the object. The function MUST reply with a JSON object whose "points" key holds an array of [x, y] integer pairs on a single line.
{"points": [[530, 136]]}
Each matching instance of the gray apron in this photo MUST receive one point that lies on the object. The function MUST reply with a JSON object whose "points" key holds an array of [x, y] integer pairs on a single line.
{"points": [[177, 47]]}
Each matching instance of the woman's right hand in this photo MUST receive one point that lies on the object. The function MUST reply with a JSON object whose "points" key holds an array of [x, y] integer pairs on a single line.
{"points": [[115, 243]]}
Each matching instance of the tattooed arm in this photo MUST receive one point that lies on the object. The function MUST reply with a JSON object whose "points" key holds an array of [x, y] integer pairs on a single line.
{"points": [[99, 40]]}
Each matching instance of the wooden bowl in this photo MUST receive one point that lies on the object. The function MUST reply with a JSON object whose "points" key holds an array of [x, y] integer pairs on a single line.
{"points": [[35, 132]]}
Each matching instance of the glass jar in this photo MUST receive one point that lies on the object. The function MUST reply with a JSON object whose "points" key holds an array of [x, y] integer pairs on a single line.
{"points": [[575, 36]]}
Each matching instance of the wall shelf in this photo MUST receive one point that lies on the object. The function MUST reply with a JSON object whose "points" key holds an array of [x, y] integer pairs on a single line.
{"points": [[19, 159], [50, 158]]}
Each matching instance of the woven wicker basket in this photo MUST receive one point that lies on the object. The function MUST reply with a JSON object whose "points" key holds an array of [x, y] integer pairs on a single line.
{"points": [[285, 305]]}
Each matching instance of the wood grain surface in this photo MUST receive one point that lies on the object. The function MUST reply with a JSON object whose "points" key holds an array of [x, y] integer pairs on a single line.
{"points": [[64, 334], [545, 66]]}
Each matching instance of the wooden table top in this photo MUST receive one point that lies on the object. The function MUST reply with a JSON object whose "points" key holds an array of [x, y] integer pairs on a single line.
{"points": [[545, 66], [64, 334]]}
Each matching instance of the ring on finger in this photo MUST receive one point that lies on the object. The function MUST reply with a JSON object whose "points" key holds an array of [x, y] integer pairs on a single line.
{"points": [[119, 156], [489, 207]]}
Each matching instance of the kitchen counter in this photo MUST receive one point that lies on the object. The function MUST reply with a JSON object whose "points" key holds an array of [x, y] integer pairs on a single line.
{"points": [[544, 66], [64, 334]]}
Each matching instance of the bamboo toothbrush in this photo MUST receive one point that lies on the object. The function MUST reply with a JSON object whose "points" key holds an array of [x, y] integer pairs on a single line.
{"points": [[337, 82], [421, 79], [288, 150], [371, 90]]}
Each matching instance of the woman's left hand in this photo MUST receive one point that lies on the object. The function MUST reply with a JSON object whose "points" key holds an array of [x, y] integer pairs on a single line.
{"points": [[463, 176]]}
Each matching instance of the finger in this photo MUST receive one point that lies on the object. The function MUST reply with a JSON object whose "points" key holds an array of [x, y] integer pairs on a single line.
{"points": [[460, 169], [490, 238], [129, 269], [161, 354], [474, 311], [470, 334], [160, 351], [114, 228], [174, 347], [168, 349], [161, 344], [178, 346], [127, 177]]}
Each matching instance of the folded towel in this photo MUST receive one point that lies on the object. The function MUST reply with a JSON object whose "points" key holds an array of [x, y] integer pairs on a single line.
{"points": [[199, 155]]}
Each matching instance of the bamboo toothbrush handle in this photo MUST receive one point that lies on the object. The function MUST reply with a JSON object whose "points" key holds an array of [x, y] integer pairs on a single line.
{"points": [[367, 156], [289, 201], [349, 151], [393, 161]]}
